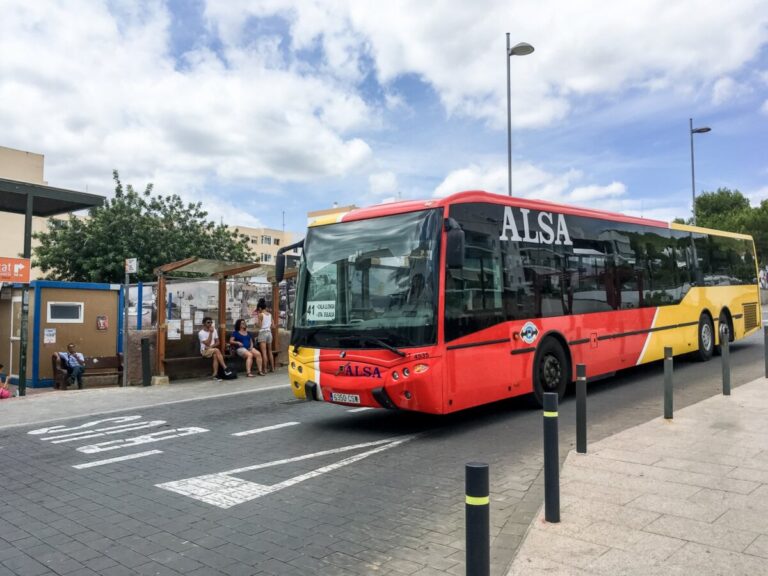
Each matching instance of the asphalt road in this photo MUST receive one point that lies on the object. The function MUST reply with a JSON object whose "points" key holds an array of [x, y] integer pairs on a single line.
{"points": [[262, 484]]}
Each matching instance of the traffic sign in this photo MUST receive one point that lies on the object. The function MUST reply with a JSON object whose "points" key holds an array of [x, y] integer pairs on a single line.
{"points": [[14, 270], [132, 265]]}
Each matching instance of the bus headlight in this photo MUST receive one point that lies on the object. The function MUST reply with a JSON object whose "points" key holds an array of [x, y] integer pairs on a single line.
{"points": [[406, 372]]}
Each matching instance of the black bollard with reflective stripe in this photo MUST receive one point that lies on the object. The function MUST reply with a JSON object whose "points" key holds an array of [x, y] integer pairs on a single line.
{"points": [[581, 409], [477, 519], [668, 383], [726, 357], [551, 460]]}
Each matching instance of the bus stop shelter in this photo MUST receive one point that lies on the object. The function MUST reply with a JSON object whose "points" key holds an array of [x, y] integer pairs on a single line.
{"points": [[205, 269], [44, 201]]}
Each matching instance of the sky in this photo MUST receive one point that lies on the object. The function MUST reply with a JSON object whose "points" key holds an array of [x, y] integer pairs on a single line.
{"points": [[264, 110]]}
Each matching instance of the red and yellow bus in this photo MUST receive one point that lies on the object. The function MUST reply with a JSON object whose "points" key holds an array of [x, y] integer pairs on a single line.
{"points": [[441, 305]]}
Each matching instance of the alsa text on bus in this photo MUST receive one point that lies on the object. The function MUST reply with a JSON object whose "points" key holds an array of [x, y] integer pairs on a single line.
{"points": [[548, 231]]}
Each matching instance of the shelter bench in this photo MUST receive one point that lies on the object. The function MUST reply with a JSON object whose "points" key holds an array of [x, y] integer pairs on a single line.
{"points": [[95, 367]]}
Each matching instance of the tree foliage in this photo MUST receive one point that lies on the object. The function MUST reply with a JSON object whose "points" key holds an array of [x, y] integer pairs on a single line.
{"points": [[153, 228], [730, 210]]}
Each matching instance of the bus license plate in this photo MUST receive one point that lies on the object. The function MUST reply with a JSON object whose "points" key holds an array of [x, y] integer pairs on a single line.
{"points": [[345, 398]]}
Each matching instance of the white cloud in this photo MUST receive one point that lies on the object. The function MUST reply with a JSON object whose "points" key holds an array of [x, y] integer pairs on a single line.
{"points": [[764, 107], [528, 181], [726, 89], [590, 193], [383, 183], [100, 90], [583, 48]]}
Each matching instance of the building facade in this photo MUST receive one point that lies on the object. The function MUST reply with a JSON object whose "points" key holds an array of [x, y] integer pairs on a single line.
{"points": [[265, 242]]}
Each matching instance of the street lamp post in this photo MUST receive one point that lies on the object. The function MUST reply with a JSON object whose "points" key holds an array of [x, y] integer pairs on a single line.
{"points": [[520, 49], [693, 131]]}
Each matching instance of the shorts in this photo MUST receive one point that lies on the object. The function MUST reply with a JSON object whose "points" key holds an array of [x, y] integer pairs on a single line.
{"points": [[208, 352], [265, 336], [242, 352]]}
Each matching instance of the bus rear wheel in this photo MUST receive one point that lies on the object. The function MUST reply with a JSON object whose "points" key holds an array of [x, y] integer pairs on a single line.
{"points": [[723, 321], [551, 371], [706, 338]]}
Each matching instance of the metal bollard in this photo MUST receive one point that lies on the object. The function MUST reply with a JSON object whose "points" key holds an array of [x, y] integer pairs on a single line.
{"points": [[581, 409], [477, 519], [146, 369], [668, 383], [765, 348], [551, 460], [726, 354]]}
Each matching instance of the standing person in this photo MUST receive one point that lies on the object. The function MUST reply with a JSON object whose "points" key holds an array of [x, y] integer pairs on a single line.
{"points": [[264, 322], [209, 342], [242, 343], [75, 364]]}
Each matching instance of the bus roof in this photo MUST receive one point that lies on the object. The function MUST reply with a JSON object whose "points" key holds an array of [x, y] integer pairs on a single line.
{"points": [[482, 196]]}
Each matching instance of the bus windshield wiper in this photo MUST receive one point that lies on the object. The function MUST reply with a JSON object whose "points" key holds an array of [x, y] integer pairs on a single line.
{"points": [[384, 344], [373, 340]]}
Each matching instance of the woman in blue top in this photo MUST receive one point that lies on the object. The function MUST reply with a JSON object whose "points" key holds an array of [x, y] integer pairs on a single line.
{"points": [[242, 343]]}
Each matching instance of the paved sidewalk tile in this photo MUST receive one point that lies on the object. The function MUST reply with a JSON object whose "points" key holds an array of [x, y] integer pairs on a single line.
{"points": [[675, 498]]}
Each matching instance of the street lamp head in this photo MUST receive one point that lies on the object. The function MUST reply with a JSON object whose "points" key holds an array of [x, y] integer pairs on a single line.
{"points": [[701, 130], [520, 49]]}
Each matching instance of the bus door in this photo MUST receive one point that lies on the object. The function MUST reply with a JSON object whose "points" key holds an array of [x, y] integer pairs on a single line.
{"points": [[477, 336]]}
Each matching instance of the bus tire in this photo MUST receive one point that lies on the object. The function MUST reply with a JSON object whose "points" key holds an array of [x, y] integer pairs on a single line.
{"points": [[706, 338], [724, 320], [551, 371]]}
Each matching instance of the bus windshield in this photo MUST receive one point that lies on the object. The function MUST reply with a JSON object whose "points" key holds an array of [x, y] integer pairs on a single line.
{"points": [[370, 283]]}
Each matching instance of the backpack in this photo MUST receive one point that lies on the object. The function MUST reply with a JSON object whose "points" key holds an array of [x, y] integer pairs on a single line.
{"points": [[227, 373]]}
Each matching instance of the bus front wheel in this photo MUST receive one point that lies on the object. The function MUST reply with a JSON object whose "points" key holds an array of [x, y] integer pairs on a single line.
{"points": [[706, 338], [551, 372]]}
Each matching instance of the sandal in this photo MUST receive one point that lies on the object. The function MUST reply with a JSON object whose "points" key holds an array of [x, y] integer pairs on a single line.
{"points": [[262, 373], [249, 375]]}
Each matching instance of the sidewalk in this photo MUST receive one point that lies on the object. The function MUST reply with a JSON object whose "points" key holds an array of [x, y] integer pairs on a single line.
{"points": [[62, 404], [681, 497]]}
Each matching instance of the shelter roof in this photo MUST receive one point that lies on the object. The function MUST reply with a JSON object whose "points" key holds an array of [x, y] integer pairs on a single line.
{"points": [[46, 200], [217, 268]]}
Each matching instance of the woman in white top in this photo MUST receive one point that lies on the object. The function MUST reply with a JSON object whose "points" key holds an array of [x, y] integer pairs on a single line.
{"points": [[264, 337]]}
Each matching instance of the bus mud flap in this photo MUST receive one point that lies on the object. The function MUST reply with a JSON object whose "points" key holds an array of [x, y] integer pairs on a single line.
{"points": [[310, 390], [383, 398]]}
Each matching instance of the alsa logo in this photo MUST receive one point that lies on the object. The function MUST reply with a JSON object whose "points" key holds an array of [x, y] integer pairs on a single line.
{"points": [[358, 371], [538, 228], [529, 333]]}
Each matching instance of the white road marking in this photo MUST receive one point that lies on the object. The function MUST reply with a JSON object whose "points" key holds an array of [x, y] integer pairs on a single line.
{"points": [[197, 398], [83, 427], [107, 431], [118, 459], [265, 429], [360, 409], [224, 490], [145, 439]]}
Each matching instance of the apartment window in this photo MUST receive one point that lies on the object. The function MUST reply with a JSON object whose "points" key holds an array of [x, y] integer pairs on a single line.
{"points": [[266, 257], [276, 241], [65, 312], [266, 239]]}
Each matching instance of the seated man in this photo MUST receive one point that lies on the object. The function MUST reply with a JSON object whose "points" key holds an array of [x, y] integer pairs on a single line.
{"points": [[209, 342], [75, 363]]}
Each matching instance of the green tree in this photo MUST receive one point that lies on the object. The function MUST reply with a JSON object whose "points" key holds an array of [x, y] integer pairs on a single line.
{"points": [[730, 210], [153, 228]]}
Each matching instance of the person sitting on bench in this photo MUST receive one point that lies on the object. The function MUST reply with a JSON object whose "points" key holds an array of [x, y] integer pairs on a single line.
{"points": [[209, 342], [75, 364]]}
